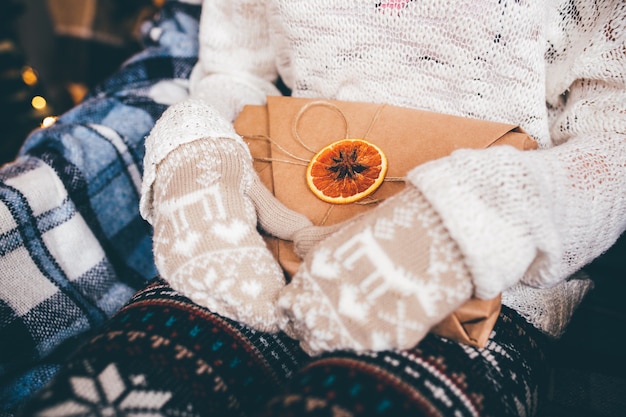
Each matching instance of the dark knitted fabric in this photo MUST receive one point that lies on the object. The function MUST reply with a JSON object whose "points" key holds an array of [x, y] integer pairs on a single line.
{"points": [[163, 355], [437, 378]]}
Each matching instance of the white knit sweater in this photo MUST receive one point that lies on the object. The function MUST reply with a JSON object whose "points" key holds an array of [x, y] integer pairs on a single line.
{"points": [[556, 67]]}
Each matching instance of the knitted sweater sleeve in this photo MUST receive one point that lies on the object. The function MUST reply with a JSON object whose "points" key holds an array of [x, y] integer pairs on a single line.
{"points": [[235, 67], [236, 61], [538, 216]]}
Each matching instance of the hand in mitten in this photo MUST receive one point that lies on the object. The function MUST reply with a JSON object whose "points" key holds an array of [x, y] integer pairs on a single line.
{"points": [[380, 282], [206, 243]]}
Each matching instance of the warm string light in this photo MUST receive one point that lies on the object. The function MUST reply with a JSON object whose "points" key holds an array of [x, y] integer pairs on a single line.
{"points": [[49, 121], [38, 103], [31, 78]]}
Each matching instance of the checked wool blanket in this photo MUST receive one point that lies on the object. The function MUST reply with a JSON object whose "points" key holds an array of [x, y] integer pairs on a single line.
{"points": [[73, 247]]}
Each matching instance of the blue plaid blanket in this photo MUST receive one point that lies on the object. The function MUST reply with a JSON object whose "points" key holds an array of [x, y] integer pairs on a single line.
{"points": [[73, 247]]}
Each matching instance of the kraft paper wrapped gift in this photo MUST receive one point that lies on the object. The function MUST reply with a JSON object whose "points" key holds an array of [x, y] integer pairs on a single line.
{"points": [[287, 132]]}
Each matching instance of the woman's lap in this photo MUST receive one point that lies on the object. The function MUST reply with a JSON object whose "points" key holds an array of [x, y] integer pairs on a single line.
{"points": [[163, 354], [439, 377]]}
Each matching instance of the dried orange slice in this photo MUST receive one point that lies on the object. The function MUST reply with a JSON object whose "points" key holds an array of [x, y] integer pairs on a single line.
{"points": [[346, 171]]}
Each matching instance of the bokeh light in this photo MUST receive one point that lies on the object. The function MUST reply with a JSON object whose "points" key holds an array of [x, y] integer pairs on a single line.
{"points": [[48, 121], [29, 76], [38, 102]]}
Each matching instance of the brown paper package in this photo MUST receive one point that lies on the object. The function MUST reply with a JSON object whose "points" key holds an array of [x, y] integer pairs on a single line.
{"points": [[284, 134]]}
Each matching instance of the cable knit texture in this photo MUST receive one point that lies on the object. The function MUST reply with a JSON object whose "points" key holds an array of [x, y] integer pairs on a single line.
{"points": [[556, 68]]}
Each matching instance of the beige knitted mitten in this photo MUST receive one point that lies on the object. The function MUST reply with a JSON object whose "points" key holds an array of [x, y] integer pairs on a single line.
{"points": [[206, 244], [381, 282]]}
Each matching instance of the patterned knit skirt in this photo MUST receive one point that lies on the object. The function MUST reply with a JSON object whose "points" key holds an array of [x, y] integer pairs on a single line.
{"points": [[162, 355]]}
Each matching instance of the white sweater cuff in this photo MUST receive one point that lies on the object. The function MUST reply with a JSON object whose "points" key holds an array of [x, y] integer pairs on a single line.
{"points": [[181, 123], [503, 237]]}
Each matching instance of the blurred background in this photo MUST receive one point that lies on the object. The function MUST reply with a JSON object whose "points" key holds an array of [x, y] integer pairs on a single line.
{"points": [[53, 51]]}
